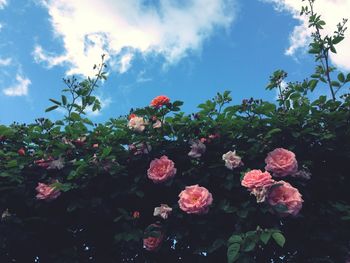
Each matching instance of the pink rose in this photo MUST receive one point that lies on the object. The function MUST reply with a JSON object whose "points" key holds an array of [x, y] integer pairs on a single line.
{"points": [[157, 124], [140, 148], [152, 243], [137, 123], [161, 170], [195, 200], [163, 211], [281, 162], [44, 163], [256, 179], [197, 149], [46, 192], [232, 160], [287, 196]]}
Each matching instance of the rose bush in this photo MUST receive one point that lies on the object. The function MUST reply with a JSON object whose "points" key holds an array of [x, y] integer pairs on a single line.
{"points": [[192, 188]]}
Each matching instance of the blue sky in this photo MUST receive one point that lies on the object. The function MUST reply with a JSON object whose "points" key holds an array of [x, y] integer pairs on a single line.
{"points": [[187, 50]]}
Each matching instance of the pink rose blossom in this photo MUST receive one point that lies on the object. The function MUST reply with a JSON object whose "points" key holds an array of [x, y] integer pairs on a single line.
{"points": [[137, 124], [281, 162], [256, 179], [152, 243], [197, 149], [46, 192], [288, 196], [161, 170], [157, 124], [163, 211], [232, 160], [195, 200], [140, 148], [44, 163]]}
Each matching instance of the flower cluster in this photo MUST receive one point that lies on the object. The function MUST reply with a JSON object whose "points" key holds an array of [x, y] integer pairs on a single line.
{"points": [[280, 195]]}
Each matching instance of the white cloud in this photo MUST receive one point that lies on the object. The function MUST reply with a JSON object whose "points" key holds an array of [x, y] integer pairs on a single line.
{"points": [[20, 88], [3, 3], [141, 78], [5, 61], [89, 28], [125, 63], [332, 11]]}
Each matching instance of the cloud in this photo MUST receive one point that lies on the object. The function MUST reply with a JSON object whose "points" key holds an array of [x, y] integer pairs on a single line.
{"points": [[3, 3], [331, 11], [141, 78], [20, 88], [5, 61], [170, 28], [125, 63]]}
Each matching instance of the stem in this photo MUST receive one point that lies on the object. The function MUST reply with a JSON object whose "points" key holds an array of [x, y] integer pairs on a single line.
{"points": [[328, 75], [324, 54], [282, 98]]}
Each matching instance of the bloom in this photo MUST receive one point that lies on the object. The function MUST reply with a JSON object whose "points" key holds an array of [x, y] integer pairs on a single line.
{"points": [[163, 211], [232, 160], [140, 148], [161, 170], [256, 179], [21, 152], [283, 194], [136, 214], [197, 149], [159, 101], [44, 163], [157, 124], [281, 162], [46, 192], [152, 243], [137, 124], [56, 164], [195, 200]]}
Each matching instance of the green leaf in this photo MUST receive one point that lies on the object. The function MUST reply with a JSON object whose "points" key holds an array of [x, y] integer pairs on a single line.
{"points": [[337, 40], [273, 131], [249, 245], [279, 239], [341, 77], [87, 121], [335, 84], [177, 103], [312, 84], [64, 100], [51, 108], [233, 252], [11, 164], [140, 193], [106, 151], [235, 239], [333, 49], [265, 237], [55, 101], [75, 116], [314, 50]]}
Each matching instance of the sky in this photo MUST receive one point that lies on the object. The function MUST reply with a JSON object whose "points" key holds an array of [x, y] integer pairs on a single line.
{"points": [[185, 49]]}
